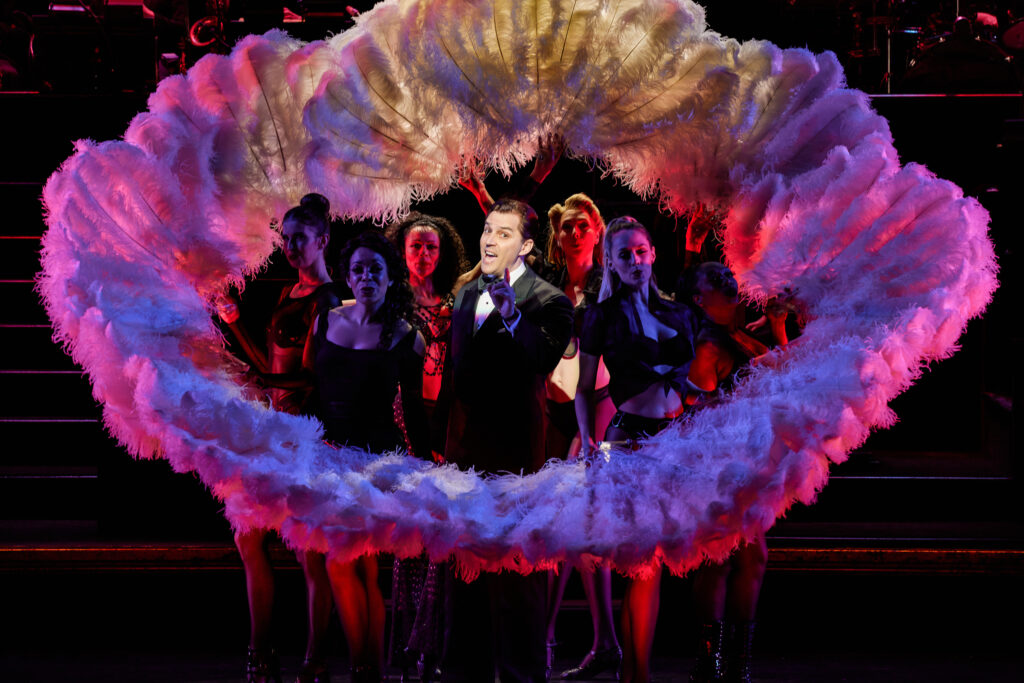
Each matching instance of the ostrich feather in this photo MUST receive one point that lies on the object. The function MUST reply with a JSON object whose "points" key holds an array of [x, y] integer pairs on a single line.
{"points": [[889, 262]]}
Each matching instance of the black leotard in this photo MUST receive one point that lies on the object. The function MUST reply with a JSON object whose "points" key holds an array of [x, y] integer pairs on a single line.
{"points": [[357, 390]]}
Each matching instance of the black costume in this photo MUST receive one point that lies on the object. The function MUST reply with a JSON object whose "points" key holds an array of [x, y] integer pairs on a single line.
{"points": [[435, 324], [357, 390], [741, 346], [288, 388], [494, 390], [612, 329], [494, 381], [421, 589], [289, 326]]}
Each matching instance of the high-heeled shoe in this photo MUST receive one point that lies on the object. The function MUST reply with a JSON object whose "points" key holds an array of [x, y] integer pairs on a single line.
{"points": [[366, 674], [427, 669], [550, 658], [261, 666], [596, 661], [313, 671]]}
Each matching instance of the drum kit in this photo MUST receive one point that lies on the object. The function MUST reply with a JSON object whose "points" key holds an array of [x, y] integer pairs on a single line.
{"points": [[895, 36]]}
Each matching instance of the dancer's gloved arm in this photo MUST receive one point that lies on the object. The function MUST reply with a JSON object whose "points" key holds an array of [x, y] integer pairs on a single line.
{"points": [[697, 230], [228, 311], [549, 150], [471, 178]]}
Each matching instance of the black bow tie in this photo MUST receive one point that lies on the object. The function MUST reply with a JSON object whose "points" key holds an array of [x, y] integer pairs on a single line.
{"points": [[485, 282]]}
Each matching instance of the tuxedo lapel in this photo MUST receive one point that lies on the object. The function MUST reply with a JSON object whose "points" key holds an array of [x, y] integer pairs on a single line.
{"points": [[523, 287]]}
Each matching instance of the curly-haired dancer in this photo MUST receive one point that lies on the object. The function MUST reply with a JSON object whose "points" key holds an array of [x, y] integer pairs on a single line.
{"points": [[362, 354]]}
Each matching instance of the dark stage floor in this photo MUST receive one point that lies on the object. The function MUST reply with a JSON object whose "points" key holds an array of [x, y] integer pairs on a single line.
{"points": [[227, 667]]}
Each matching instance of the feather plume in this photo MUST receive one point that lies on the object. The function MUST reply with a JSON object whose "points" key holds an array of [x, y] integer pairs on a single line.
{"points": [[890, 263]]}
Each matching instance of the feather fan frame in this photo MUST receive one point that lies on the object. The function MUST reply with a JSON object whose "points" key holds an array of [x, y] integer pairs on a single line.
{"points": [[890, 262]]}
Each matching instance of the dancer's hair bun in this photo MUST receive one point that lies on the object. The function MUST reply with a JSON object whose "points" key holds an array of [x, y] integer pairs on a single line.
{"points": [[317, 203], [313, 210]]}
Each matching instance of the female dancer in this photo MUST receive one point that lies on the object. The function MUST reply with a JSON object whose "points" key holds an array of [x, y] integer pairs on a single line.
{"points": [[647, 343], [436, 260], [575, 244], [725, 595], [305, 233], [362, 356], [435, 257]]}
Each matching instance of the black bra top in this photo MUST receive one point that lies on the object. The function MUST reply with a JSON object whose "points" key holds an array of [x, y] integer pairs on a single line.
{"points": [[287, 331], [612, 329]]}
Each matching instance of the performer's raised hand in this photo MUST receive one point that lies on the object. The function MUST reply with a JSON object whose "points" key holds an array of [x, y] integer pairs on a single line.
{"points": [[549, 151], [504, 297], [471, 177], [227, 304], [697, 228]]}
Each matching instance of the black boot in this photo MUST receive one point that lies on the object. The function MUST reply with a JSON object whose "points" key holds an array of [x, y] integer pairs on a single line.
{"points": [[710, 664], [741, 640]]}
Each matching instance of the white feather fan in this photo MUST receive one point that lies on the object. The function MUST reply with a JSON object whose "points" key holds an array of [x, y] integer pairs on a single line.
{"points": [[890, 262]]}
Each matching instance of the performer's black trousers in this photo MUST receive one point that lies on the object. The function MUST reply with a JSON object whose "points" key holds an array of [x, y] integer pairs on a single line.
{"points": [[498, 623]]}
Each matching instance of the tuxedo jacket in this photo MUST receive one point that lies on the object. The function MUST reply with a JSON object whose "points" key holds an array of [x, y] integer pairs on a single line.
{"points": [[493, 390]]}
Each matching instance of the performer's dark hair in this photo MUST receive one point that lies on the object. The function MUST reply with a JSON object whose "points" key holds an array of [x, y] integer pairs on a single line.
{"points": [[529, 222], [313, 210], [715, 274], [398, 298], [451, 262]]}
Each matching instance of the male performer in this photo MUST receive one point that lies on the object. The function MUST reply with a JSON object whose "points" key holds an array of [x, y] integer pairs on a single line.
{"points": [[509, 329]]}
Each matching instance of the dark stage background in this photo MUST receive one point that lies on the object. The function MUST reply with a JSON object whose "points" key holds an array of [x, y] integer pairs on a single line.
{"points": [[916, 543]]}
